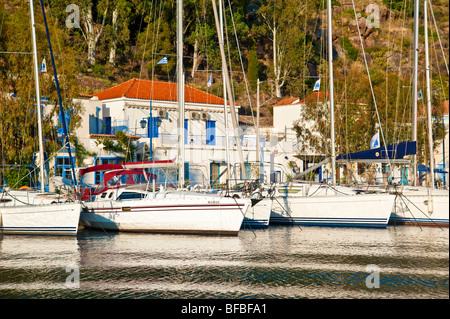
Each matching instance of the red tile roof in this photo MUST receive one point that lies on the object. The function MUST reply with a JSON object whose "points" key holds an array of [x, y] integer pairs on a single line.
{"points": [[315, 96], [287, 101], [156, 90]]}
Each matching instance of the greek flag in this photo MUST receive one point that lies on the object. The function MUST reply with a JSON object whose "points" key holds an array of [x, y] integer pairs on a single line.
{"points": [[419, 95], [163, 61], [375, 141], [317, 85], [209, 81], [43, 67]]}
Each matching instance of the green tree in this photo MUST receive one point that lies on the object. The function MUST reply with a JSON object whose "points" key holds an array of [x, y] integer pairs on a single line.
{"points": [[122, 145], [253, 68], [18, 120], [282, 23], [157, 39]]}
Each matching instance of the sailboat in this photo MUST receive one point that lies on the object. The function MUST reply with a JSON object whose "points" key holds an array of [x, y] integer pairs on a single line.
{"points": [[329, 205], [134, 208], [167, 211], [417, 205], [258, 214], [414, 205], [23, 215]]}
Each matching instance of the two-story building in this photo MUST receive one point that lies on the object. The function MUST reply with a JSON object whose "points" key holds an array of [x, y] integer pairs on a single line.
{"points": [[147, 111], [285, 113]]}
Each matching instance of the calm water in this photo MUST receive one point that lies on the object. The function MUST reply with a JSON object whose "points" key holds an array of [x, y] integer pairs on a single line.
{"points": [[280, 262]]}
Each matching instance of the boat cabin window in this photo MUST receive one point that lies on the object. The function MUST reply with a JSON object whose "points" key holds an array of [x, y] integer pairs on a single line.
{"points": [[130, 195], [103, 195]]}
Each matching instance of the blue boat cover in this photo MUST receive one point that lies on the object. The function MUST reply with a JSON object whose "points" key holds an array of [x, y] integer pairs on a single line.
{"points": [[394, 151]]}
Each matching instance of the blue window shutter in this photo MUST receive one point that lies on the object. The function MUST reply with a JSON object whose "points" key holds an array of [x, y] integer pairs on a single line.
{"points": [[186, 128], [107, 127], [155, 132], [210, 132]]}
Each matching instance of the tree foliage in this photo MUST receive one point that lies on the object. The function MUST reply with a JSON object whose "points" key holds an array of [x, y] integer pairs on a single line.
{"points": [[280, 41], [18, 111], [122, 145]]}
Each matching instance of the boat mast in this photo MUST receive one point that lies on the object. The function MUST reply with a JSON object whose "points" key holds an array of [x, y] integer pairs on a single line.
{"points": [[258, 155], [428, 78], [229, 92], [180, 78], [225, 110], [330, 65], [414, 98], [61, 109], [38, 99]]}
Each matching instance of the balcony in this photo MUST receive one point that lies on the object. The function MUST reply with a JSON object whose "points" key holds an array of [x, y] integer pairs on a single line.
{"points": [[215, 141], [106, 126]]}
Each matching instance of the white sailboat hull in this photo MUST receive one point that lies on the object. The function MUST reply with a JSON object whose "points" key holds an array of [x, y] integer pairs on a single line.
{"points": [[333, 211], [421, 209], [52, 219], [258, 216], [183, 214]]}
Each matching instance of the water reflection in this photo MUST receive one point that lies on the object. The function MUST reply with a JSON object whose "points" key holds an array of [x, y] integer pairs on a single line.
{"points": [[279, 262]]}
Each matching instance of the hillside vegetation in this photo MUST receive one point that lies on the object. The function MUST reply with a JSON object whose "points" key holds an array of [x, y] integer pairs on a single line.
{"points": [[281, 42]]}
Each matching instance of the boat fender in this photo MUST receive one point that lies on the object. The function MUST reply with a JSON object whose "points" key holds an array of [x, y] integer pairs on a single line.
{"points": [[429, 204]]}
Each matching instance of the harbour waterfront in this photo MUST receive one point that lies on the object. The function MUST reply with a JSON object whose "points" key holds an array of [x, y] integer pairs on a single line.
{"points": [[279, 262]]}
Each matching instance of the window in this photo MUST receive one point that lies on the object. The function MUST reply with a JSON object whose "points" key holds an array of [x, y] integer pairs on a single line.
{"points": [[210, 132], [247, 174], [215, 171], [186, 171], [63, 167], [99, 175], [107, 125], [130, 195]]}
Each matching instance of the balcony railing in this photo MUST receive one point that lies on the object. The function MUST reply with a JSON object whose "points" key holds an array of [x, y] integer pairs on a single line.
{"points": [[190, 139], [218, 141], [200, 140]]}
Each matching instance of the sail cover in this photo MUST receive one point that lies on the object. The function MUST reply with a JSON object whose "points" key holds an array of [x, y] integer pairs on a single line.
{"points": [[394, 151]]}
